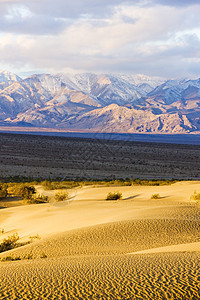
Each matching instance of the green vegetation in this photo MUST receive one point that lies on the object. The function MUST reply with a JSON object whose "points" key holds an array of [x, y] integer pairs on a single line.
{"points": [[195, 196], [114, 196], [61, 196], [155, 196]]}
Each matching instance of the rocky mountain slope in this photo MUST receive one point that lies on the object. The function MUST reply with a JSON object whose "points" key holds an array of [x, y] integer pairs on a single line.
{"points": [[107, 103]]}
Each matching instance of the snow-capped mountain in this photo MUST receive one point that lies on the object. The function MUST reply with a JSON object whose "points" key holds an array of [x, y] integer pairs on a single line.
{"points": [[107, 89], [7, 76], [101, 102]]}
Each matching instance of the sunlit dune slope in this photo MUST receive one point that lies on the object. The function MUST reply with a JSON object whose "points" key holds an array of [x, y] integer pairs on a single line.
{"points": [[135, 248]]}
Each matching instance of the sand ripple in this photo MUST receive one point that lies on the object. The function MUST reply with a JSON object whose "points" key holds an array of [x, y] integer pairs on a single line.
{"points": [[94, 262], [166, 276]]}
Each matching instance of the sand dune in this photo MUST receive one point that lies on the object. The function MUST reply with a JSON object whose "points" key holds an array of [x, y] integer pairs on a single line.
{"points": [[160, 276], [173, 248], [114, 238], [90, 242]]}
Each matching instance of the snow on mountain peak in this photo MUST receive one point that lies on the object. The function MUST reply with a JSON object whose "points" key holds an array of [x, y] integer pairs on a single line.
{"points": [[128, 103], [8, 76]]}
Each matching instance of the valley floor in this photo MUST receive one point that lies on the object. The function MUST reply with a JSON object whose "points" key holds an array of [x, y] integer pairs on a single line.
{"points": [[134, 248], [49, 157]]}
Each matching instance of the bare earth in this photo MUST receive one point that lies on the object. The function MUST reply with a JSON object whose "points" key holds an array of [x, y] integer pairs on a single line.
{"points": [[135, 248], [69, 158]]}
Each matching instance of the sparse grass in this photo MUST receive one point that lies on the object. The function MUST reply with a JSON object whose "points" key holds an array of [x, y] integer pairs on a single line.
{"points": [[195, 196], [147, 182], [155, 196], [63, 184], [14, 258], [11, 242], [25, 190], [28, 256], [55, 185], [114, 196], [10, 258], [34, 237]]}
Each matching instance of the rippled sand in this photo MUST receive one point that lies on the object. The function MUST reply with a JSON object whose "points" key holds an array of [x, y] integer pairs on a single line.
{"points": [[134, 249], [161, 276]]}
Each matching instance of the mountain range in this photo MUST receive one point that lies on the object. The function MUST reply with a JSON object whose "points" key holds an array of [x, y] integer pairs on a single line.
{"points": [[100, 103]]}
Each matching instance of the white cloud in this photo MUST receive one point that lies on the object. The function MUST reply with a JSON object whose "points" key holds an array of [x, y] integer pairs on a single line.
{"points": [[102, 36]]}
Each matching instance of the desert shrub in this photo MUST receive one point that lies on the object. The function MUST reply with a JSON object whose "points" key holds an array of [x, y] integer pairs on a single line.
{"points": [[114, 196], [23, 190], [155, 196], [16, 189], [3, 191], [147, 182], [55, 185], [61, 196], [10, 258], [36, 199], [28, 192], [195, 196], [47, 185], [9, 243]]}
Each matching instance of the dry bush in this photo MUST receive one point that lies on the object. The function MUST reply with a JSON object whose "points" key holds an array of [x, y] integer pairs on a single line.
{"points": [[61, 196], [10, 258], [23, 190], [155, 196], [37, 199], [9, 243], [114, 196], [195, 196], [3, 191]]}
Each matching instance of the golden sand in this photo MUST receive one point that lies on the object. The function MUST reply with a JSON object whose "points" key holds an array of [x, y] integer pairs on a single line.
{"points": [[134, 248]]}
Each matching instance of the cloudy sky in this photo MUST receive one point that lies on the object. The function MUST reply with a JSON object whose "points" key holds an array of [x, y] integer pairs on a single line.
{"points": [[152, 37]]}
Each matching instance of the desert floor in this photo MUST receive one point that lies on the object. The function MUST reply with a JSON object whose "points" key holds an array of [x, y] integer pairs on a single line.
{"points": [[134, 248], [51, 157]]}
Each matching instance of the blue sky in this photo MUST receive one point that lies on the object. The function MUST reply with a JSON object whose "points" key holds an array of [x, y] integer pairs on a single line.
{"points": [[152, 37]]}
